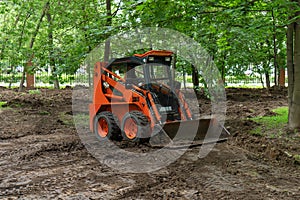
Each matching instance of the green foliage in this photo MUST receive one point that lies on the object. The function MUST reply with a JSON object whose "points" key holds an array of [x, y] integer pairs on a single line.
{"points": [[239, 35], [76, 28]]}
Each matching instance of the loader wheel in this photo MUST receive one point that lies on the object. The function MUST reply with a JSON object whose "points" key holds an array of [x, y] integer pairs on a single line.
{"points": [[135, 126], [106, 126]]}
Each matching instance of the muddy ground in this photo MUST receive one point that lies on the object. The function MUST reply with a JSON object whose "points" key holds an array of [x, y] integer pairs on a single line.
{"points": [[42, 157]]}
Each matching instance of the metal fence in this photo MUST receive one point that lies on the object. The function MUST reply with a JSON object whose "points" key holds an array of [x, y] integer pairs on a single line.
{"points": [[44, 79]]}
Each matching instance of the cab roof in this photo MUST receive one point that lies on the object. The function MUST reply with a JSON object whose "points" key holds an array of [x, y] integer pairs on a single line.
{"points": [[154, 53], [137, 59], [133, 61]]}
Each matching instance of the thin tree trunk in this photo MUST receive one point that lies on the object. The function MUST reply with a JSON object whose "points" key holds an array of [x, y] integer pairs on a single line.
{"points": [[223, 73], [46, 7], [51, 51], [261, 80], [108, 24], [12, 77], [20, 45], [184, 78], [267, 73], [275, 49], [174, 60], [107, 50], [5, 41], [268, 84], [195, 78]]}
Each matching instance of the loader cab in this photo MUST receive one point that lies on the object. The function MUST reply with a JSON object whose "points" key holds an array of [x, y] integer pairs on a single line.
{"points": [[144, 70], [161, 84], [151, 72], [147, 74], [157, 67], [124, 68]]}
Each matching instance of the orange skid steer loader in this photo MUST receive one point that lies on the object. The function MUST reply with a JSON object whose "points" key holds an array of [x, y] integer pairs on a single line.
{"points": [[136, 98]]}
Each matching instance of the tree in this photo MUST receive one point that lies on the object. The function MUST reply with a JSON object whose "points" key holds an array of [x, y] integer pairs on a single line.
{"points": [[31, 44], [293, 63], [239, 35]]}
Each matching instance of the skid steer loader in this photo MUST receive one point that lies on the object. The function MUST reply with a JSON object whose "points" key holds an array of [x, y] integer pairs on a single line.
{"points": [[136, 98]]}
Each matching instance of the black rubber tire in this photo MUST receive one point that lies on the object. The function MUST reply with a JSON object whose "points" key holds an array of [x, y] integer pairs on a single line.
{"points": [[112, 122], [143, 133]]}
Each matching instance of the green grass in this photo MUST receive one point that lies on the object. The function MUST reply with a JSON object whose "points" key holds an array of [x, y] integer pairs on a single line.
{"points": [[245, 86], [78, 119], [3, 104], [66, 119], [272, 126], [297, 158], [37, 91], [42, 112], [81, 120]]}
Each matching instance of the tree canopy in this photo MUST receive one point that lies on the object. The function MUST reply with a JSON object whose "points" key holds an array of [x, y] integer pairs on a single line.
{"points": [[240, 35], [58, 35]]}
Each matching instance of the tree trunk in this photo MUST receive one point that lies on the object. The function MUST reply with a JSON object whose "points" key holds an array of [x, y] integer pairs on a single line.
{"points": [[51, 50], [107, 50], [223, 74], [261, 80], [184, 78], [274, 49], [21, 87], [290, 60], [294, 74], [268, 84], [12, 77], [108, 24], [86, 37], [29, 76], [174, 60], [55, 81], [281, 79], [195, 79], [46, 7]]}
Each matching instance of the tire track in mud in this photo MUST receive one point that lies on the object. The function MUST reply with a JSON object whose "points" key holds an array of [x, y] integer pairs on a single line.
{"points": [[213, 178], [36, 146], [19, 122]]}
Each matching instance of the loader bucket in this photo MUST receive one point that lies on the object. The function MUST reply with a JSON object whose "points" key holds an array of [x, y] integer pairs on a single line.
{"points": [[189, 133]]}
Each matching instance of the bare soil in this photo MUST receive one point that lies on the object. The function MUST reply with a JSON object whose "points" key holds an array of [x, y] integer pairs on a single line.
{"points": [[42, 157]]}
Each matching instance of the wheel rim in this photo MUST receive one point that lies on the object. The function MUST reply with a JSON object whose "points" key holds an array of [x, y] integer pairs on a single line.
{"points": [[130, 128], [102, 127]]}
